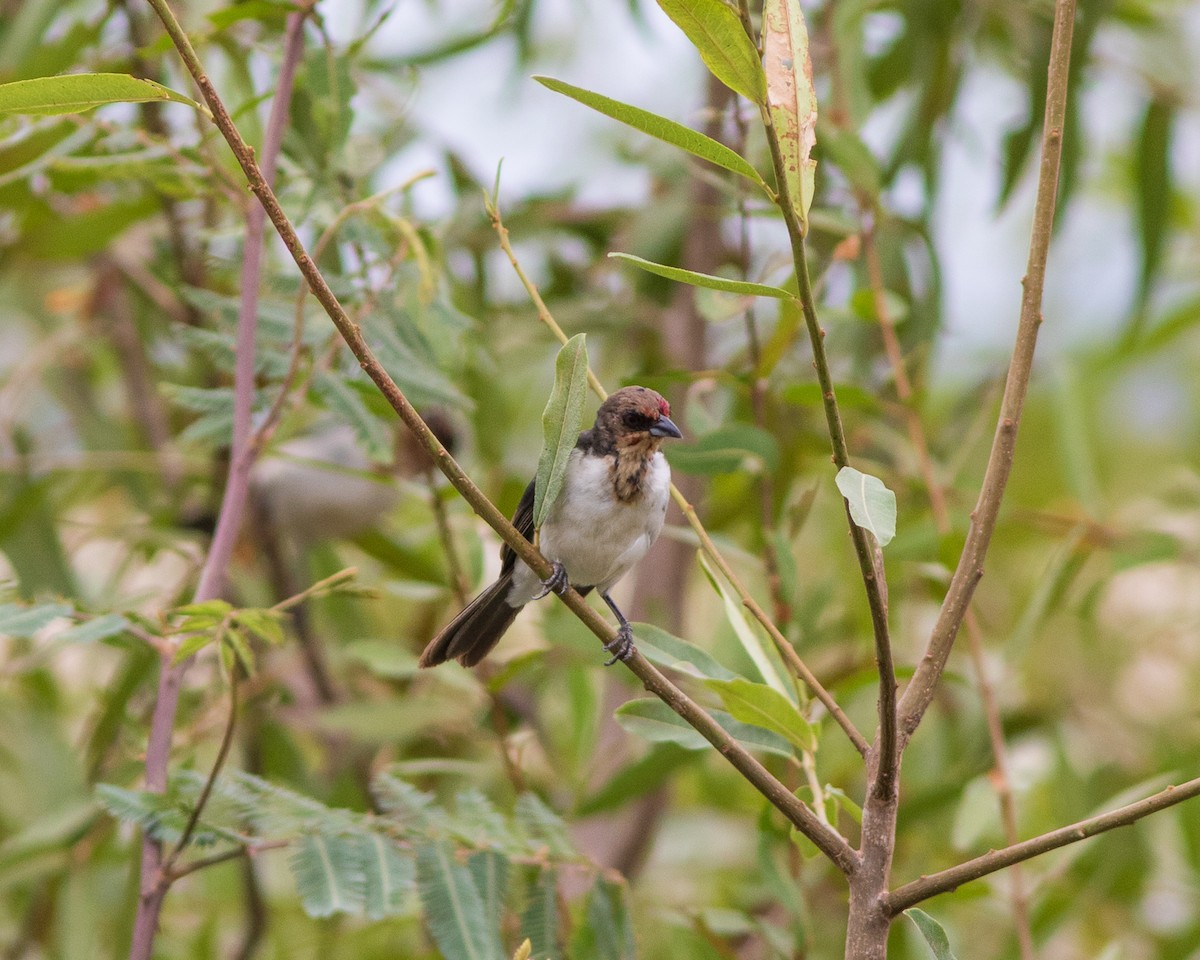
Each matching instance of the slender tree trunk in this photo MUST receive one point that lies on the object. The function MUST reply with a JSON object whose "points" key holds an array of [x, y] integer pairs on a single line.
{"points": [[869, 922]]}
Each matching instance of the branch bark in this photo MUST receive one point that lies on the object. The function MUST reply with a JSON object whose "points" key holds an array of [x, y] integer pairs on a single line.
{"points": [[798, 813], [913, 893], [155, 880], [919, 693]]}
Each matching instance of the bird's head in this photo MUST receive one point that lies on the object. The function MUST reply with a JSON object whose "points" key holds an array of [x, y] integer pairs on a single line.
{"points": [[634, 416]]}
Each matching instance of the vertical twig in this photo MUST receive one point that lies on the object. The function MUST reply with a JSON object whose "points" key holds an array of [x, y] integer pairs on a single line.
{"points": [[919, 693], [154, 879], [1001, 782]]}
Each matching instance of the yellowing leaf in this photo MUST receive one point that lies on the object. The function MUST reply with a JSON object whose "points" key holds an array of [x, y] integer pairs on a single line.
{"points": [[791, 100]]}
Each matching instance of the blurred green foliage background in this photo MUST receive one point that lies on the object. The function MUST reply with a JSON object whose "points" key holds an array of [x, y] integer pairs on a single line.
{"points": [[120, 251]]}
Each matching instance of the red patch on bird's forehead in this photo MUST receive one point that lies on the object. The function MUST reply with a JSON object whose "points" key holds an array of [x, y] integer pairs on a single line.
{"points": [[663, 407]]}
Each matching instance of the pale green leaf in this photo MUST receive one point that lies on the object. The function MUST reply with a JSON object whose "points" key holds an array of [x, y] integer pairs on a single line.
{"points": [[542, 826], [489, 870], [77, 92], [791, 99], [607, 933], [758, 704], [704, 279], [872, 505], [748, 637], [19, 620], [740, 447], [933, 933], [562, 422], [328, 870], [717, 33], [539, 918], [660, 647], [265, 624], [390, 875], [98, 628], [453, 907], [660, 128], [345, 402], [651, 719]]}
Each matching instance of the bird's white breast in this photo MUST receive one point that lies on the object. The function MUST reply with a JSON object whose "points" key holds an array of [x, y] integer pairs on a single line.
{"points": [[596, 536]]}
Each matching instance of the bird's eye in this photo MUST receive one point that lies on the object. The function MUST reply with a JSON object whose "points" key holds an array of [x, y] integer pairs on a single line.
{"points": [[636, 420]]}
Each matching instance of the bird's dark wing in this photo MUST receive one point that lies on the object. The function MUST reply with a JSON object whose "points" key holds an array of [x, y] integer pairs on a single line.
{"points": [[523, 521]]}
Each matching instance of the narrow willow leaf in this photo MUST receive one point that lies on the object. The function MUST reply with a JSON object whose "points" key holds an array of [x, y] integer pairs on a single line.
{"points": [[758, 704], [18, 620], [791, 99], [676, 134], [1154, 187], [651, 719], [933, 933], [328, 870], [717, 33], [453, 907], [740, 447], [562, 422], [748, 637], [77, 92], [98, 628], [539, 917], [704, 279], [667, 650], [607, 933], [342, 400], [390, 875], [872, 505]]}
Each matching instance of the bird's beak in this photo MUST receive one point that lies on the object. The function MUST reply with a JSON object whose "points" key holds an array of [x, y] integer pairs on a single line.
{"points": [[665, 428]]}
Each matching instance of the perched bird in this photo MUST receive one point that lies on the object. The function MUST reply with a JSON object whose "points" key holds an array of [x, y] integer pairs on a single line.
{"points": [[609, 511]]}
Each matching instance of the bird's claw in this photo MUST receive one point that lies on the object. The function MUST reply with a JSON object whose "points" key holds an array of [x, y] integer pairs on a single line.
{"points": [[621, 646], [557, 581]]}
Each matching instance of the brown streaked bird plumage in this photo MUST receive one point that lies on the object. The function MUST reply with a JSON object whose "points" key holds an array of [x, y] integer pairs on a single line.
{"points": [[608, 513]]}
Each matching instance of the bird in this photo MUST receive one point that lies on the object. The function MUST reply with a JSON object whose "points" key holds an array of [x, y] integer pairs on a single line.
{"points": [[608, 513]]}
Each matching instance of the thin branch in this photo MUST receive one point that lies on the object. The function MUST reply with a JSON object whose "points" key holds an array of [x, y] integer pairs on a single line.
{"points": [[250, 850], [222, 753], [460, 586], [870, 560], [919, 693], [829, 842], [321, 586], [906, 896], [154, 882], [1001, 781], [786, 650]]}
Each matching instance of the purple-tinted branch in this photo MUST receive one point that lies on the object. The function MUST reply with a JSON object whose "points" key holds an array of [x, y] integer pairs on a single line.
{"points": [[154, 881]]}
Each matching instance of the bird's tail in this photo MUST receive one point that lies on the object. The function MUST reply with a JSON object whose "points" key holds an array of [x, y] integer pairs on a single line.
{"points": [[470, 636]]}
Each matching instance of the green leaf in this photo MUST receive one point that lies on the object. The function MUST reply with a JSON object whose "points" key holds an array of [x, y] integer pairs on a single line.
{"points": [[740, 447], [542, 826], [717, 33], [748, 637], [562, 422], [539, 918], [75, 93], [651, 719], [98, 628], [791, 99], [660, 128], [345, 402], [489, 870], [666, 650], [704, 279], [846, 151], [265, 624], [194, 644], [1154, 188], [453, 907], [328, 870], [872, 505], [933, 933], [758, 704], [607, 933], [414, 809], [390, 875], [18, 620], [637, 778]]}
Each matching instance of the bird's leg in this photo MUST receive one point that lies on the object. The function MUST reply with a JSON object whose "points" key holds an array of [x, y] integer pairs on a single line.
{"points": [[621, 646], [557, 581]]}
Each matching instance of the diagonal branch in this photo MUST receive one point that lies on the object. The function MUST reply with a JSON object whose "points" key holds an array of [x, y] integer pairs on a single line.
{"points": [[798, 813], [919, 693], [906, 896], [786, 650]]}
